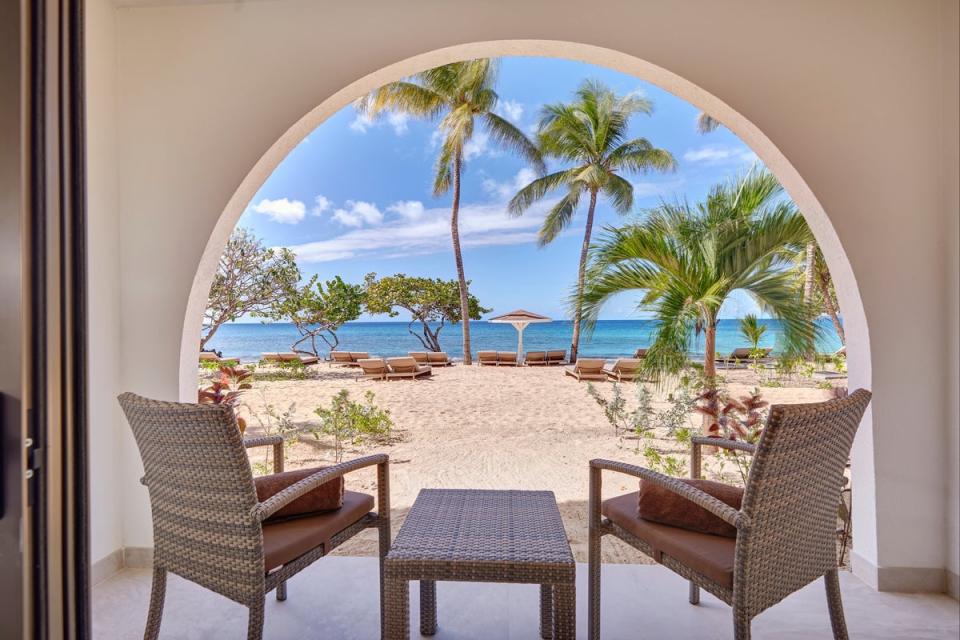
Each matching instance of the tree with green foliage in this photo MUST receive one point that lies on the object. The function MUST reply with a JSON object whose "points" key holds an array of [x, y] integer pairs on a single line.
{"points": [[349, 422], [250, 280], [432, 302], [318, 311], [686, 260], [590, 134], [753, 331], [460, 95]]}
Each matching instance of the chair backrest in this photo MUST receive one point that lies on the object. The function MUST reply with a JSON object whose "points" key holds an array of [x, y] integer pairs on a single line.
{"points": [[640, 353], [506, 356], [438, 356], [373, 366], [270, 357], [487, 356], [590, 365], [791, 499], [536, 356], [209, 356], [359, 355], [201, 494], [402, 365], [741, 353], [419, 356], [341, 356], [626, 365]]}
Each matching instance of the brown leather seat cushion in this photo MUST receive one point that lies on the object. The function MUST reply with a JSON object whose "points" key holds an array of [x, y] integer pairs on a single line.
{"points": [[326, 497], [709, 555], [287, 540], [659, 504]]}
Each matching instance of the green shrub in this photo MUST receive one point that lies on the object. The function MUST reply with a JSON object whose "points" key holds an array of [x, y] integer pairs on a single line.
{"points": [[352, 423]]}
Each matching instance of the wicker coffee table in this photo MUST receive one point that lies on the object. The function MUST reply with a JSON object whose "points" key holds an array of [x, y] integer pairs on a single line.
{"points": [[481, 536]]}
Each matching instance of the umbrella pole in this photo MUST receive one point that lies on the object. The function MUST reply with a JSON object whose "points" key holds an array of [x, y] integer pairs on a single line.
{"points": [[520, 326]]}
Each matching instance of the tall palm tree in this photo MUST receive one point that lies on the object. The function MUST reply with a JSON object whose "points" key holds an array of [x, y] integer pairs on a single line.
{"points": [[686, 260], [589, 133], [458, 95]]}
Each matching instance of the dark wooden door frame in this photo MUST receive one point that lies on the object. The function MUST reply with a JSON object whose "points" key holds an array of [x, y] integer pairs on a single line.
{"points": [[44, 585]]}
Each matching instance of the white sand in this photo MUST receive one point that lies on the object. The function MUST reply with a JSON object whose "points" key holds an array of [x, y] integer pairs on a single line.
{"points": [[489, 427]]}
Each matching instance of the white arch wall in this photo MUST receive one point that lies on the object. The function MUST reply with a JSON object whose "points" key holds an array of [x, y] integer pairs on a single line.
{"points": [[203, 91]]}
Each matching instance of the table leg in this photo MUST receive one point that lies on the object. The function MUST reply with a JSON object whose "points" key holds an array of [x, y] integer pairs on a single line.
{"points": [[546, 611], [397, 607], [564, 612], [428, 607]]}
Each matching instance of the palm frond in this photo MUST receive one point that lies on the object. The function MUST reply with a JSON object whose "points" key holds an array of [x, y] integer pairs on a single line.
{"points": [[537, 190], [508, 136], [559, 216]]}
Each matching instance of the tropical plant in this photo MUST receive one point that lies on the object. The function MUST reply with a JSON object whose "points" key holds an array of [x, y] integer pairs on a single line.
{"points": [[590, 134], [349, 422], [250, 279], [753, 331], [458, 95], [687, 259], [227, 389], [823, 295], [431, 302], [319, 312], [734, 419]]}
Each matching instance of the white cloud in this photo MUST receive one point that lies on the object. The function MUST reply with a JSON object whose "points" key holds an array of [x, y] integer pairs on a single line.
{"points": [[663, 189], [719, 154], [407, 209], [480, 225], [320, 206], [510, 110], [506, 190], [282, 210], [363, 122], [477, 145], [358, 213]]}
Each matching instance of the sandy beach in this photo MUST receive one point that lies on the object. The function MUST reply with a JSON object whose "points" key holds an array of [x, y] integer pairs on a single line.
{"points": [[489, 427]]}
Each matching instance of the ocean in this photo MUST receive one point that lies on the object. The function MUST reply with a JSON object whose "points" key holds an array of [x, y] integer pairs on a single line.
{"points": [[610, 338]]}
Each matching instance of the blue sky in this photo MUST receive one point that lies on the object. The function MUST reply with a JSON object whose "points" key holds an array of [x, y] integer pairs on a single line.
{"points": [[355, 195]]}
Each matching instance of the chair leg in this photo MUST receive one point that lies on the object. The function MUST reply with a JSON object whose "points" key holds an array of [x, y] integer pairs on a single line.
{"points": [[255, 625], [741, 627], [282, 591], [546, 611], [694, 594], [593, 586], [158, 590], [835, 604]]}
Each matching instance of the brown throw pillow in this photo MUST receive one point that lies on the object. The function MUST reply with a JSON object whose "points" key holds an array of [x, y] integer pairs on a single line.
{"points": [[659, 504], [327, 497]]}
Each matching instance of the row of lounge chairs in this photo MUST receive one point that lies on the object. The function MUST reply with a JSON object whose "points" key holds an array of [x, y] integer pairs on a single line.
{"points": [[392, 369], [622, 369]]}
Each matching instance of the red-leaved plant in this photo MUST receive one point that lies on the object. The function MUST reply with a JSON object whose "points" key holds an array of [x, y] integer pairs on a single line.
{"points": [[735, 419], [227, 389]]}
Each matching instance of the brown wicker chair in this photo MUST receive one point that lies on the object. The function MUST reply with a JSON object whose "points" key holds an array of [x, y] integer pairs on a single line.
{"points": [[786, 527], [208, 525]]}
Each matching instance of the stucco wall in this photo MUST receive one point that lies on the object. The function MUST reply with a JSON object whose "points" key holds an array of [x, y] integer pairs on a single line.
{"points": [[851, 93], [104, 277]]}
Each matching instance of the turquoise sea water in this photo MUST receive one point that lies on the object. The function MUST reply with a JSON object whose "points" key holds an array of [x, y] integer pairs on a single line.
{"points": [[610, 338]]}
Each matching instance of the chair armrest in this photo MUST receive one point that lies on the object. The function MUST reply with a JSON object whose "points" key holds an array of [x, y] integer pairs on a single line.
{"points": [[723, 443], [718, 508], [262, 441], [265, 509]]}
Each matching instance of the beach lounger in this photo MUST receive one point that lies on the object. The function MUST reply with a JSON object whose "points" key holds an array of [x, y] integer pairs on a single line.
{"points": [[586, 369], [419, 356], [438, 359], [270, 358], [624, 369], [341, 357], [373, 369], [640, 353], [209, 356], [487, 358], [557, 356], [302, 357], [357, 356], [406, 367], [507, 359], [535, 358]]}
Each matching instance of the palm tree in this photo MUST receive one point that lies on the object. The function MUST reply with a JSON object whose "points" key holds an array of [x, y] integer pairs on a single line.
{"points": [[458, 95], [686, 260], [590, 134]]}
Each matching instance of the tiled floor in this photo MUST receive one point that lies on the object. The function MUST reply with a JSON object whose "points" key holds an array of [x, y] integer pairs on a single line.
{"points": [[337, 598]]}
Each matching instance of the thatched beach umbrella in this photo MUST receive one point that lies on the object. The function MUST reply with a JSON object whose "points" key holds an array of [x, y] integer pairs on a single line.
{"points": [[520, 319]]}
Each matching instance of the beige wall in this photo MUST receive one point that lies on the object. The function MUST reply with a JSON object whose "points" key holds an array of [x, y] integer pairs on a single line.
{"points": [[104, 276], [850, 93]]}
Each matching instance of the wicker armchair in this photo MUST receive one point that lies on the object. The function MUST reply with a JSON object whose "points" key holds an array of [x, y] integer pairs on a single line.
{"points": [[786, 527], [208, 525]]}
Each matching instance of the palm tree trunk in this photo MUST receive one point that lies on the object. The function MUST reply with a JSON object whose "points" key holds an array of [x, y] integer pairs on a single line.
{"points": [[811, 258], [709, 369], [824, 285], [575, 341], [458, 258]]}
